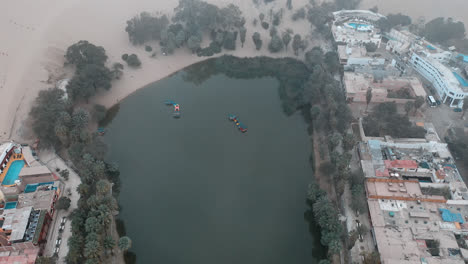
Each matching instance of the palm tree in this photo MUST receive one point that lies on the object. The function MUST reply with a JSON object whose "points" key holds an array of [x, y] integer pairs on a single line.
{"points": [[92, 224], [109, 244], [465, 106], [334, 247], [418, 102], [408, 106], [103, 187], [368, 97], [92, 249], [80, 118], [125, 243]]}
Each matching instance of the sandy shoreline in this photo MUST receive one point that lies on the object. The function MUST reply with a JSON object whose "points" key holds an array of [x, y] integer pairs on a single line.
{"points": [[40, 31], [36, 34]]}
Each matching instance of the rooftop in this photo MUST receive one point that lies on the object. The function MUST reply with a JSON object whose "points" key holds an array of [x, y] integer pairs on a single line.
{"points": [[16, 220], [19, 256], [39, 200], [445, 72], [33, 171], [403, 230], [359, 83]]}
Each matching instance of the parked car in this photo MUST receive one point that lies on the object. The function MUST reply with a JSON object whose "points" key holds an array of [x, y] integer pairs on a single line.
{"points": [[438, 102], [458, 110]]}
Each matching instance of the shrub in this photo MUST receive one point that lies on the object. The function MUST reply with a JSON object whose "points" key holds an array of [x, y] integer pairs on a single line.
{"points": [[65, 174], [148, 48], [265, 25], [63, 203], [125, 57], [133, 61]]}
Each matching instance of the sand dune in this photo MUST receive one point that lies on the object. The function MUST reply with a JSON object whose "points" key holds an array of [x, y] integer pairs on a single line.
{"points": [[36, 34], [429, 9]]}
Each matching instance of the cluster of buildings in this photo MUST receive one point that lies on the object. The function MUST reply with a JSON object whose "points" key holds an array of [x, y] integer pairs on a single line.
{"points": [[28, 193], [418, 201], [396, 57]]}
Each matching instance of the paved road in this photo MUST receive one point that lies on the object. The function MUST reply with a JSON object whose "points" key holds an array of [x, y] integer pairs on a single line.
{"points": [[53, 162], [367, 245]]}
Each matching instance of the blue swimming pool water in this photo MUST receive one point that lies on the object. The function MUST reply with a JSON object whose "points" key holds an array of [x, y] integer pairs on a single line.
{"points": [[10, 205], [460, 79], [354, 25], [13, 172]]}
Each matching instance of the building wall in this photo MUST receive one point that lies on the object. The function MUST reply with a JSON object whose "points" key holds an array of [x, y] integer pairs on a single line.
{"points": [[428, 71], [365, 61]]}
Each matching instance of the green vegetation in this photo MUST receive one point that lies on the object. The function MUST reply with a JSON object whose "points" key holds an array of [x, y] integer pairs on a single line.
{"points": [[442, 30], [386, 121], [359, 201], [63, 203], [403, 93], [47, 110], [65, 174], [84, 53], [458, 144], [145, 27], [91, 74], [299, 14], [117, 70], [286, 37], [324, 213], [59, 123], [257, 40], [347, 4], [276, 44], [393, 20], [371, 47], [242, 33], [297, 43], [125, 243], [132, 60]]}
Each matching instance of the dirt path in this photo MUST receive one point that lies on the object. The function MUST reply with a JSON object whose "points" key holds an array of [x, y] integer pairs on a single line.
{"points": [[324, 181]]}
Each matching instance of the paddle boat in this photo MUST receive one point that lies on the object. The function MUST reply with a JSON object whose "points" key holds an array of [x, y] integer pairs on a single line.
{"points": [[239, 125], [101, 131], [176, 113]]}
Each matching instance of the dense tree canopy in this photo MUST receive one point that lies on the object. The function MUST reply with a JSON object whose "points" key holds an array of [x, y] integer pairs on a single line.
{"points": [[145, 27], [257, 40], [441, 30], [386, 121], [206, 17], [45, 113], [88, 80], [393, 20], [84, 53], [276, 44]]}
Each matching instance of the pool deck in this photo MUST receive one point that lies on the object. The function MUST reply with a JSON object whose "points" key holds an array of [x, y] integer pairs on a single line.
{"points": [[13, 158]]}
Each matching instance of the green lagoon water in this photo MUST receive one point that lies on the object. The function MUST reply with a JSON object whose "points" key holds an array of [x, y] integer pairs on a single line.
{"points": [[195, 190]]}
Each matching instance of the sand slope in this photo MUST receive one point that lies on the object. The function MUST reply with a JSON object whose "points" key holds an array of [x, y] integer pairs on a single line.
{"points": [[429, 9], [36, 34]]}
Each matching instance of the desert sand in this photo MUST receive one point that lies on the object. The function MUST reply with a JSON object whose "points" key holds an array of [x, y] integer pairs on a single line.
{"points": [[427, 9], [36, 33]]}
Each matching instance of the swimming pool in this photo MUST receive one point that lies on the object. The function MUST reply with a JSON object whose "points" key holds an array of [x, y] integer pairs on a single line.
{"points": [[359, 26], [460, 79], [13, 172], [10, 205]]}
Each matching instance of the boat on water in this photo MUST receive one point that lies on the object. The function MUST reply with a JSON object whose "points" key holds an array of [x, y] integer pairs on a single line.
{"points": [[242, 128], [176, 113], [101, 131]]}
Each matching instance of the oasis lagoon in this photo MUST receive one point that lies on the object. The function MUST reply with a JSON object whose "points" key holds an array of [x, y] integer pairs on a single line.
{"points": [[197, 190]]}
